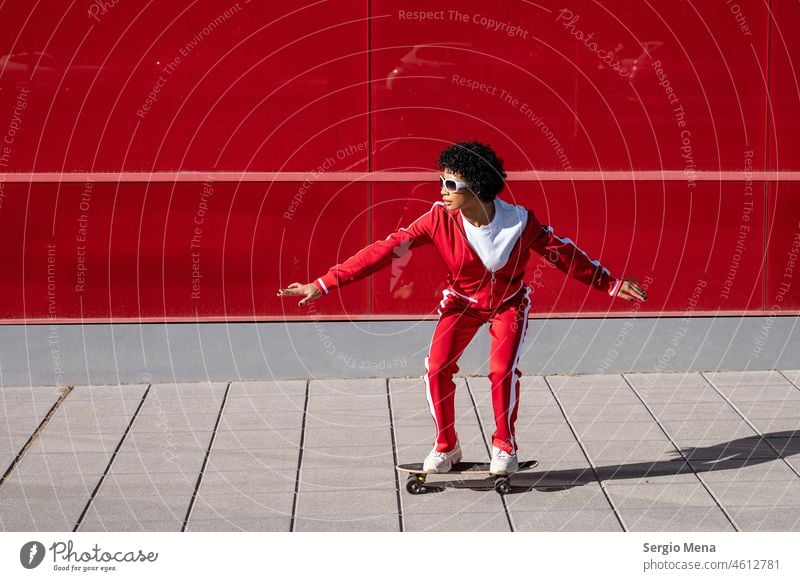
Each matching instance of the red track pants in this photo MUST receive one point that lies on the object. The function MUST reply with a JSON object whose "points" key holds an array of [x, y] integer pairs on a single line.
{"points": [[457, 325]]}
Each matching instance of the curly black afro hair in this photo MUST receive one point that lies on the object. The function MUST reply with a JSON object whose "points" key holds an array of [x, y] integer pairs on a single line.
{"points": [[478, 164]]}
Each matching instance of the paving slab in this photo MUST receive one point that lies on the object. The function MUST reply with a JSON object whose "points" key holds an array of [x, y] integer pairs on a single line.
{"points": [[766, 493], [555, 476], [353, 478], [283, 388], [272, 403], [676, 470], [547, 453], [155, 484], [239, 505], [566, 521], [204, 391], [589, 496], [552, 434], [657, 496], [125, 394], [699, 411], [573, 397], [585, 382], [635, 412], [680, 430], [19, 489], [258, 481], [160, 441], [457, 522], [745, 472], [608, 451], [363, 453], [353, 419], [88, 424], [700, 394], [174, 422], [666, 380], [41, 514], [261, 523], [695, 519], [136, 462], [727, 378], [767, 393], [159, 405], [344, 523], [766, 519], [253, 459], [257, 439], [342, 436], [770, 409], [93, 523], [617, 431], [58, 443], [345, 504], [135, 508], [777, 426], [39, 466], [272, 421]]}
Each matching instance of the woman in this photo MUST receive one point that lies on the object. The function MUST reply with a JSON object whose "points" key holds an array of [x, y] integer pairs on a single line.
{"points": [[485, 243]]}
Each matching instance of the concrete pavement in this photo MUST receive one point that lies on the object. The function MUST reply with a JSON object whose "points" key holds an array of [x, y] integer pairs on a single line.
{"points": [[712, 451]]}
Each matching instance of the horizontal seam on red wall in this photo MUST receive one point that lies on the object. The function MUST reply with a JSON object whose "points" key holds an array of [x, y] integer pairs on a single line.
{"points": [[310, 176], [390, 318]]}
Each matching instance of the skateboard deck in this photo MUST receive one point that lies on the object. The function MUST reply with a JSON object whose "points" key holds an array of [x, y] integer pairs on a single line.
{"points": [[417, 476]]}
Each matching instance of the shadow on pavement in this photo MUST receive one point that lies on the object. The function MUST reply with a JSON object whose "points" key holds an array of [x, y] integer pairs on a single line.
{"points": [[726, 456]]}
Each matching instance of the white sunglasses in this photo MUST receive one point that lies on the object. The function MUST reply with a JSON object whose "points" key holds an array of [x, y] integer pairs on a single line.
{"points": [[452, 185]]}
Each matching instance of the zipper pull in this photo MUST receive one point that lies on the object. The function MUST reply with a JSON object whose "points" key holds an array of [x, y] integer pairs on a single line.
{"points": [[491, 291]]}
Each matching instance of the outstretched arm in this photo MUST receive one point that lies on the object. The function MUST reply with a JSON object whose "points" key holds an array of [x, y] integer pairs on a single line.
{"points": [[366, 261], [574, 262]]}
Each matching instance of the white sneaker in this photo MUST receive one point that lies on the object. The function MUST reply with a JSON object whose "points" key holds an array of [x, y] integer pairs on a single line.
{"points": [[503, 462], [439, 462]]}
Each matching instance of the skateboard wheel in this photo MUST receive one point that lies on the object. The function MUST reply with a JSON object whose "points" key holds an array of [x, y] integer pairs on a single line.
{"points": [[502, 486], [414, 486]]}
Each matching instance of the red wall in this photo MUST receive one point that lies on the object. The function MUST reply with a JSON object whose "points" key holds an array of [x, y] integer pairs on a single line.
{"points": [[102, 103]]}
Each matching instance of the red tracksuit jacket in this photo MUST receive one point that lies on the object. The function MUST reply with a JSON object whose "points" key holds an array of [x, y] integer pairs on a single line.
{"points": [[469, 278]]}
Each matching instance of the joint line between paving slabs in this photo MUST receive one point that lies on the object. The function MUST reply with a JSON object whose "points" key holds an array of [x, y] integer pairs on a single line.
{"points": [[111, 461], [300, 457], [488, 450], [797, 387], [205, 459], [685, 459], [36, 433], [588, 456], [394, 458], [752, 426]]}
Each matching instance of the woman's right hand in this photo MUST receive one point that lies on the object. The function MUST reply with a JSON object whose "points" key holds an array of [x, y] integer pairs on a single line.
{"points": [[309, 292]]}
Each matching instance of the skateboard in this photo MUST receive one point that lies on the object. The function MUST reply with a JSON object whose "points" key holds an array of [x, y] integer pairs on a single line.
{"points": [[415, 484]]}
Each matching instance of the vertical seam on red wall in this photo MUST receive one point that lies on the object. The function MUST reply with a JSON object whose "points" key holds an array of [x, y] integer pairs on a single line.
{"points": [[370, 281], [767, 141]]}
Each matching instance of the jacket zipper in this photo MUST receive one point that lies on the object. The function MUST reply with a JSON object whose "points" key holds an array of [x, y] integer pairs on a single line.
{"points": [[491, 290]]}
